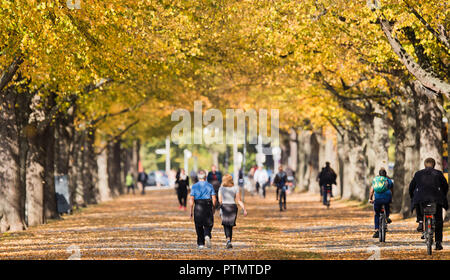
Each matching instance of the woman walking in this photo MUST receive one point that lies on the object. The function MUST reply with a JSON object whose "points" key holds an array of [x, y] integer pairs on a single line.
{"points": [[228, 197], [182, 181]]}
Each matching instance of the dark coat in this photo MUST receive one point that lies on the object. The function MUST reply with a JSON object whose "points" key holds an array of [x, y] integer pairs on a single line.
{"points": [[210, 177], [327, 176], [429, 185]]}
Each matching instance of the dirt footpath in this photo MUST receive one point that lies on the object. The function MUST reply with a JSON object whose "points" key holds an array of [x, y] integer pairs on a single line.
{"points": [[151, 227]]}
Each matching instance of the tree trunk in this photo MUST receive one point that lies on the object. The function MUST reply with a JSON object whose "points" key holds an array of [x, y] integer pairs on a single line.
{"points": [[356, 168], [89, 168], [76, 187], [303, 152], [12, 190], [103, 188], [293, 149], [313, 163], [114, 167], [431, 127]]}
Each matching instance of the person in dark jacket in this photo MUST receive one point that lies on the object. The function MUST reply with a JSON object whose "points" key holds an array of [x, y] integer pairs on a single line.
{"points": [[326, 177], [182, 181], [280, 181], [429, 186], [215, 179], [142, 180]]}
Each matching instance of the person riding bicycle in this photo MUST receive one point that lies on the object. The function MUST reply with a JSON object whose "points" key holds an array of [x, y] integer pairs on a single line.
{"points": [[381, 194], [326, 177], [280, 181], [429, 186]]}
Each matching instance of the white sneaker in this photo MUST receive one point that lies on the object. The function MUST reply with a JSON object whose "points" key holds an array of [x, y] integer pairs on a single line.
{"points": [[201, 247], [207, 242]]}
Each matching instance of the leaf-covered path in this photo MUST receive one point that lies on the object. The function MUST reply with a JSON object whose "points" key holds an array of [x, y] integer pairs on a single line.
{"points": [[152, 227]]}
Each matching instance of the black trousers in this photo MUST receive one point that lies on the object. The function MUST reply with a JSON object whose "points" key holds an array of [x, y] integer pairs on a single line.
{"points": [[282, 197], [182, 197], [130, 187], [439, 221], [228, 232], [202, 231]]}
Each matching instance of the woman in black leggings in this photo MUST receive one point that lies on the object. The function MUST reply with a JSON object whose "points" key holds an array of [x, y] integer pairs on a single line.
{"points": [[228, 196], [182, 181]]}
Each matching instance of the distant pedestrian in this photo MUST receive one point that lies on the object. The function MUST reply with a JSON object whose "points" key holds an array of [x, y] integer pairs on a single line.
{"points": [[182, 183], [262, 179], [280, 181], [202, 203], [193, 176], [215, 179], [142, 180], [129, 182], [229, 195]]}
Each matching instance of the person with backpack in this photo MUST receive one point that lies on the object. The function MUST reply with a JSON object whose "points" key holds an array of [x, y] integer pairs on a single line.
{"points": [[327, 177], [381, 194]]}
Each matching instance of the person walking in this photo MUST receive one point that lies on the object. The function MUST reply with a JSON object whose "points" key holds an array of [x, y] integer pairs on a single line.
{"points": [[202, 203], [142, 180], [215, 179], [280, 182], [261, 178], [129, 181], [229, 195], [182, 183], [429, 186]]}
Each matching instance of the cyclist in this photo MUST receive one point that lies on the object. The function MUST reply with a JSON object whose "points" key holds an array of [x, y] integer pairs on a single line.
{"points": [[326, 177], [280, 181], [429, 186], [381, 190]]}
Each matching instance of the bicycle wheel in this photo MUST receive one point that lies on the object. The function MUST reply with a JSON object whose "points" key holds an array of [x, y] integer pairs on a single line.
{"points": [[328, 200], [382, 229], [429, 237]]}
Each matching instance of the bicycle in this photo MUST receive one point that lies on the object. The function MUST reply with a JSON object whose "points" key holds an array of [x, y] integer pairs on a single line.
{"points": [[327, 195], [429, 210], [383, 224]]}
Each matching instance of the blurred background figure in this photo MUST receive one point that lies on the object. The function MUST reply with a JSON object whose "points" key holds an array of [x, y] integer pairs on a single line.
{"points": [[129, 182], [142, 180], [327, 176], [193, 176], [290, 179], [214, 178], [261, 179], [182, 186]]}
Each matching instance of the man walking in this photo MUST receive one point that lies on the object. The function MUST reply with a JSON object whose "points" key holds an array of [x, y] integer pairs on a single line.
{"points": [[142, 180], [280, 182], [429, 186], [202, 201], [215, 178]]}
